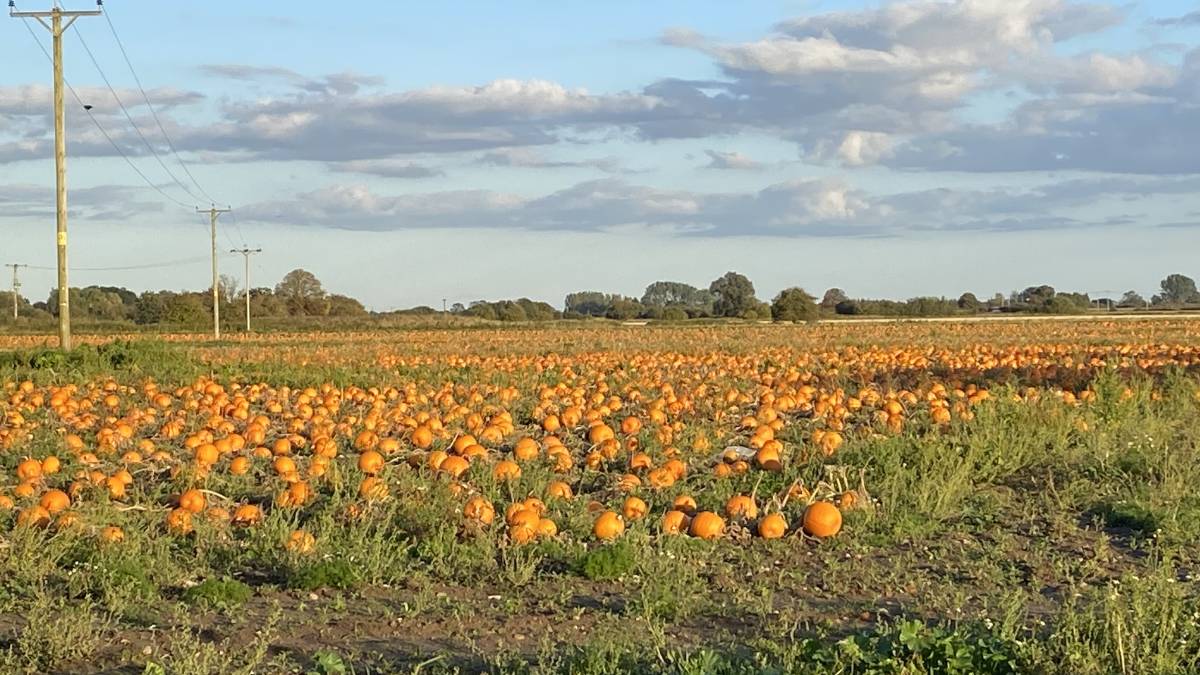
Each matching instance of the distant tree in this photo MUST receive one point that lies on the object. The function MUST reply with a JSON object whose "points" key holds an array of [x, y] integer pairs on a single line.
{"points": [[483, 310], [1132, 299], [228, 289], [848, 307], [928, 306], [457, 308], [126, 296], [536, 311], [674, 314], [678, 294], [794, 304], [591, 303], [151, 307], [969, 302], [341, 305], [507, 310], [1036, 295], [186, 309], [1079, 301], [23, 306], [302, 293], [734, 295], [832, 297], [1066, 303], [657, 312], [264, 303], [624, 309], [1178, 289]]}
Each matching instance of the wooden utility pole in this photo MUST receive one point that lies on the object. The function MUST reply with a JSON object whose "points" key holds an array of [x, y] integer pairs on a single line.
{"points": [[247, 252], [216, 295], [16, 285], [56, 28]]}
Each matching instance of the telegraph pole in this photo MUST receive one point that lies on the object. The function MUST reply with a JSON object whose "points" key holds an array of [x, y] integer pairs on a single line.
{"points": [[212, 219], [56, 28], [246, 253], [16, 285]]}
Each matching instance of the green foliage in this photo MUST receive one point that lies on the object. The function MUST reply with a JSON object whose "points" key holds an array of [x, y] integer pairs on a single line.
{"points": [[795, 305], [1177, 289], [57, 633], [1122, 514], [225, 594], [328, 663], [611, 561], [337, 574], [118, 355], [678, 295], [911, 646], [734, 294]]}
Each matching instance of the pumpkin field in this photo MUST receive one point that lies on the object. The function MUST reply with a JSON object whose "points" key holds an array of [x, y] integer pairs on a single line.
{"points": [[988, 497]]}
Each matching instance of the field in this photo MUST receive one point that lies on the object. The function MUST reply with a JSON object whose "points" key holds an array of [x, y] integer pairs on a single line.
{"points": [[985, 497]]}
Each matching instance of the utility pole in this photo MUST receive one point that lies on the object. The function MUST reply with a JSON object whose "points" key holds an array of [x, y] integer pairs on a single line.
{"points": [[247, 252], [212, 219], [56, 28], [16, 285]]}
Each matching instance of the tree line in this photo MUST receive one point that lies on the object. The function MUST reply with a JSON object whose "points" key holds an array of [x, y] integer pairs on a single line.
{"points": [[732, 295], [298, 294]]}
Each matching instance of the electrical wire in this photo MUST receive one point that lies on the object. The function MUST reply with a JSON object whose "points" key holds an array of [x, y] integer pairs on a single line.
{"points": [[128, 116], [237, 226], [99, 127], [153, 112], [147, 266]]}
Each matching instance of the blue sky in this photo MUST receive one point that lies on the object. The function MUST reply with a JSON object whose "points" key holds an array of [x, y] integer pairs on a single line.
{"points": [[416, 151]]}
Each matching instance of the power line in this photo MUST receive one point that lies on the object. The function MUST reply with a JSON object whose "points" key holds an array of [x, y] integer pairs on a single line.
{"points": [[99, 127], [153, 112], [147, 266], [128, 116], [237, 226]]}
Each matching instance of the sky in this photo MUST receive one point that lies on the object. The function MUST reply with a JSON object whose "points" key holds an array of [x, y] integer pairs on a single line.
{"points": [[407, 153]]}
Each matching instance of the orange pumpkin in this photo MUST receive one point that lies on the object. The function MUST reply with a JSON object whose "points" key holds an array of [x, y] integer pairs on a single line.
{"points": [[608, 526], [707, 525], [822, 519]]}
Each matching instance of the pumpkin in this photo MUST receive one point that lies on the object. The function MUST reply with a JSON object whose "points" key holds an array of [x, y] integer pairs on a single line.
{"points": [[772, 526], [559, 490], [33, 516], [300, 542], [370, 462], [608, 526], [192, 501], [29, 469], [547, 528], [479, 509], [674, 522], [55, 501], [372, 489], [247, 515], [179, 521], [707, 525], [455, 466], [240, 466], [634, 508], [684, 503], [741, 507], [822, 519], [506, 470]]}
